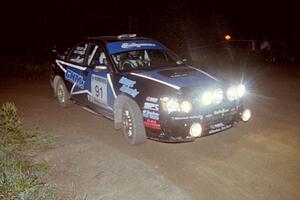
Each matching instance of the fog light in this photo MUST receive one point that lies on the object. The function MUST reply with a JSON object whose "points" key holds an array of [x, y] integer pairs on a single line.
{"points": [[195, 130], [246, 115]]}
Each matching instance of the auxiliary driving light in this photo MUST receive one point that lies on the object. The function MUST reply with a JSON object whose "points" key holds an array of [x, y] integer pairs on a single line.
{"points": [[207, 98], [246, 115], [218, 96], [241, 90], [186, 106], [195, 130], [235, 92]]}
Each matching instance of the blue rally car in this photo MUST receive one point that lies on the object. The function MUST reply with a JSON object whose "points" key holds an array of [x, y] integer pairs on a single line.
{"points": [[146, 89]]}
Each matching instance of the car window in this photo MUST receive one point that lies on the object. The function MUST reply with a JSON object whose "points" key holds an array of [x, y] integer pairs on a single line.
{"points": [[144, 59], [78, 53], [96, 56]]}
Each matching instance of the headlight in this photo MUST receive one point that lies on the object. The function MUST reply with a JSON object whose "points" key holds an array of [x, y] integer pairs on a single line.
{"points": [[241, 90], [172, 105], [218, 96], [235, 92], [232, 93], [207, 98], [214, 96], [186, 106]]}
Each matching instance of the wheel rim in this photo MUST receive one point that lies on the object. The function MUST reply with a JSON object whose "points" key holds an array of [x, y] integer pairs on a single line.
{"points": [[61, 93], [127, 123]]}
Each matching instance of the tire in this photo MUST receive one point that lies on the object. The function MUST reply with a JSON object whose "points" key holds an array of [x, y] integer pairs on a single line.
{"points": [[132, 123], [62, 94]]}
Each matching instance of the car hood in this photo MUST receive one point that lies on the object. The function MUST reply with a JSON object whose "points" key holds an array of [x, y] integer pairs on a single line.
{"points": [[180, 77]]}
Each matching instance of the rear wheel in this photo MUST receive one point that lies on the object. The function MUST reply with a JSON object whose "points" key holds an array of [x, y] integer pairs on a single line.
{"points": [[132, 123], [62, 94]]}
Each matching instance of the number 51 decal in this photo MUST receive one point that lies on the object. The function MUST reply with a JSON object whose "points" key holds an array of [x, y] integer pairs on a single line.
{"points": [[99, 89]]}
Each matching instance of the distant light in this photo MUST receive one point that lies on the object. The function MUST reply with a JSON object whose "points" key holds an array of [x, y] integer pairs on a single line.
{"points": [[227, 37]]}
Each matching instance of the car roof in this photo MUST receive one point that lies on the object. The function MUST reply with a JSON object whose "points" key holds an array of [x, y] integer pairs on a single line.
{"points": [[108, 39]]}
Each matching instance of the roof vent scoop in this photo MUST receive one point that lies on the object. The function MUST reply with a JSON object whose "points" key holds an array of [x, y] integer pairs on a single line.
{"points": [[126, 36]]}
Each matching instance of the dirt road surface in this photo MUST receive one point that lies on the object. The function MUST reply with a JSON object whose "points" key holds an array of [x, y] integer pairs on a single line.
{"points": [[256, 160]]}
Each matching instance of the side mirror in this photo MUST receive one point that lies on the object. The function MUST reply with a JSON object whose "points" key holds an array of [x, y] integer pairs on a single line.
{"points": [[99, 68]]}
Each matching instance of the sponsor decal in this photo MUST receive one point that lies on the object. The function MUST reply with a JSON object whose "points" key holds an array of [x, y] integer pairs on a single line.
{"points": [[221, 111], [218, 125], [127, 86], [208, 115], [152, 99], [152, 124], [151, 106], [137, 45], [150, 114], [219, 128], [99, 89], [75, 78], [200, 117], [233, 109]]}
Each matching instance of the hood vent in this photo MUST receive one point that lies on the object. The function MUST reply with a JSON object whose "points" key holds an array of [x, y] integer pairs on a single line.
{"points": [[176, 73]]}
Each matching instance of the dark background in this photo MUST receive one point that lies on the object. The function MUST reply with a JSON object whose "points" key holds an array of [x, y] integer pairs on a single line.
{"points": [[31, 28]]}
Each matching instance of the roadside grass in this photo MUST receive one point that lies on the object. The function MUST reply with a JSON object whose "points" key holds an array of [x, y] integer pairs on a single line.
{"points": [[20, 176]]}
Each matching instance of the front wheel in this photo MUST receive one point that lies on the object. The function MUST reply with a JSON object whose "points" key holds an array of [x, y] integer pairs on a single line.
{"points": [[62, 94], [132, 124]]}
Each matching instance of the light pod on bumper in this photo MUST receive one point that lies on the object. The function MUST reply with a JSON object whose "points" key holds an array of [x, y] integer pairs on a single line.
{"points": [[195, 130], [246, 115]]}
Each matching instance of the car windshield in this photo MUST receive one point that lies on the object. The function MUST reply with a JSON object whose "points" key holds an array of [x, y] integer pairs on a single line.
{"points": [[145, 59]]}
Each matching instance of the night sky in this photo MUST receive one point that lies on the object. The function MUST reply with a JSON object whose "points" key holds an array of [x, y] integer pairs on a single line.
{"points": [[33, 27]]}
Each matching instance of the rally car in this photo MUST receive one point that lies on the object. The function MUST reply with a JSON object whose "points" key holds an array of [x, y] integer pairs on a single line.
{"points": [[147, 90]]}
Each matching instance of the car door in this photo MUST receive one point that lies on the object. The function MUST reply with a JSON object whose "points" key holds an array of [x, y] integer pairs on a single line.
{"points": [[74, 72], [97, 79]]}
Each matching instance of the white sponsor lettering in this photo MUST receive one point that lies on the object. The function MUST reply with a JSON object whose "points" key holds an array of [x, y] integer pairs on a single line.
{"points": [[150, 114], [137, 45], [151, 106]]}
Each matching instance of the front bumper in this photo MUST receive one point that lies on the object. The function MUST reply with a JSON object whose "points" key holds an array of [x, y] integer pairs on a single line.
{"points": [[177, 128]]}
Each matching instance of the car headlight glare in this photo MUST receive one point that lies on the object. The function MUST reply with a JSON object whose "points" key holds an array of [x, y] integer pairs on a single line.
{"points": [[214, 96], [218, 96], [241, 90], [186, 106], [173, 105], [232, 93], [235, 92], [207, 98]]}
